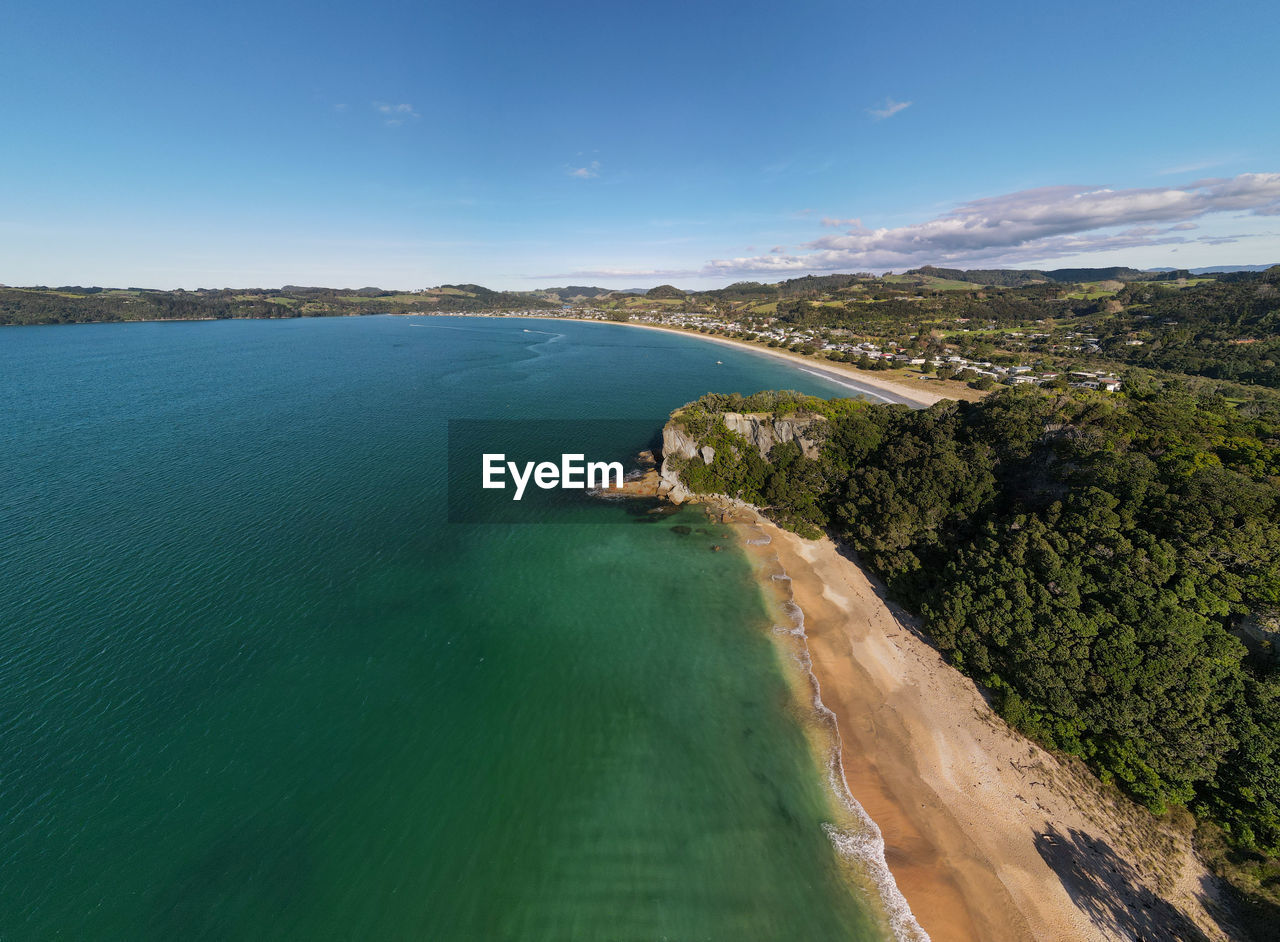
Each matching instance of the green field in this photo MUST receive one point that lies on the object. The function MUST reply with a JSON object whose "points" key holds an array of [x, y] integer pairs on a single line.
{"points": [[929, 281]]}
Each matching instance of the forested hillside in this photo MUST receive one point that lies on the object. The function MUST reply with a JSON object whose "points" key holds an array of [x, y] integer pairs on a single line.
{"points": [[1108, 567], [1226, 329], [76, 305]]}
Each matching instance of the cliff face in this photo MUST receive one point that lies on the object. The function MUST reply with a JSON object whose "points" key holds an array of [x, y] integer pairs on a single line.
{"points": [[761, 430], [765, 431], [676, 442]]}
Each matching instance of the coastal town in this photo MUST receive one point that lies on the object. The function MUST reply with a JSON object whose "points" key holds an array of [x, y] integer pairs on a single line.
{"points": [[825, 343]]}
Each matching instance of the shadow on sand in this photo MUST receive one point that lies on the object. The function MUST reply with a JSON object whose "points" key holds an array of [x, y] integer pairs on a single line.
{"points": [[1107, 888]]}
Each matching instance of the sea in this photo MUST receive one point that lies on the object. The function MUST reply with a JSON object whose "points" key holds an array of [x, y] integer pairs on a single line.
{"points": [[257, 681]]}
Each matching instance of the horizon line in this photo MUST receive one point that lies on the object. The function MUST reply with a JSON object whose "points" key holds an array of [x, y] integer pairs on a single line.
{"points": [[567, 280]]}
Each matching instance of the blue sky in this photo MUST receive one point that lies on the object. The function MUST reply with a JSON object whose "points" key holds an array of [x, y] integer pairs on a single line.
{"points": [[521, 145]]}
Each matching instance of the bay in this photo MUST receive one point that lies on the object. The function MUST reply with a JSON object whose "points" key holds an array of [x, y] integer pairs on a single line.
{"points": [[253, 684]]}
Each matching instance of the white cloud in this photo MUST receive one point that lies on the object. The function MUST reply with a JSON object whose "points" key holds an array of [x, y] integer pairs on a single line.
{"points": [[1042, 223], [395, 115], [585, 173], [638, 273], [1195, 166], [888, 109]]}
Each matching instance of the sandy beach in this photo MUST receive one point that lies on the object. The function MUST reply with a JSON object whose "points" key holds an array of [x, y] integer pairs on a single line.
{"points": [[988, 836]]}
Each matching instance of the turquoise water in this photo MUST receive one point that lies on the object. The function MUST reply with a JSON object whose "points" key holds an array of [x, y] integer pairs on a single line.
{"points": [[253, 684]]}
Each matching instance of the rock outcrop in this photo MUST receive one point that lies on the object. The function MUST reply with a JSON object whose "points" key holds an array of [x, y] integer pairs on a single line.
{"points": [[676, 442], [764, 431], [759, 429]]}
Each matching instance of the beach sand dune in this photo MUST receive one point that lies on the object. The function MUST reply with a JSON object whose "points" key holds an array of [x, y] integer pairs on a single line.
{"points": [[988, 836]]}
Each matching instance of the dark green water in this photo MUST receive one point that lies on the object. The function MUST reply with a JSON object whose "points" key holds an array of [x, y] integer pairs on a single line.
{"points": [[253, 685]]}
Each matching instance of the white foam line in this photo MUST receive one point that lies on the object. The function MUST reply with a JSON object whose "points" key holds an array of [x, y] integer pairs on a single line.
{"points": [[867, 846]]}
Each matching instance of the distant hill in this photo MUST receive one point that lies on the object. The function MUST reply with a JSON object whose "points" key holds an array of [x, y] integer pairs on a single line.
{"points": [[663, 292], [1219, 269], [1017, 277], [811, 299], [1117, 273], [998, 277], [813, 285], [42, 305], [742, 290], [577, 291]]}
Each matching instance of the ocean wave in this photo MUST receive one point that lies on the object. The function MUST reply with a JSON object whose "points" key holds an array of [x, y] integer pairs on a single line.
{"points": [[797, 616]]}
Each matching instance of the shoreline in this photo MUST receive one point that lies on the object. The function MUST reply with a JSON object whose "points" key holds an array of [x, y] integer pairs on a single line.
{"points": [[884, 390], [881, 389], [855, 837], [987, 836]]}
